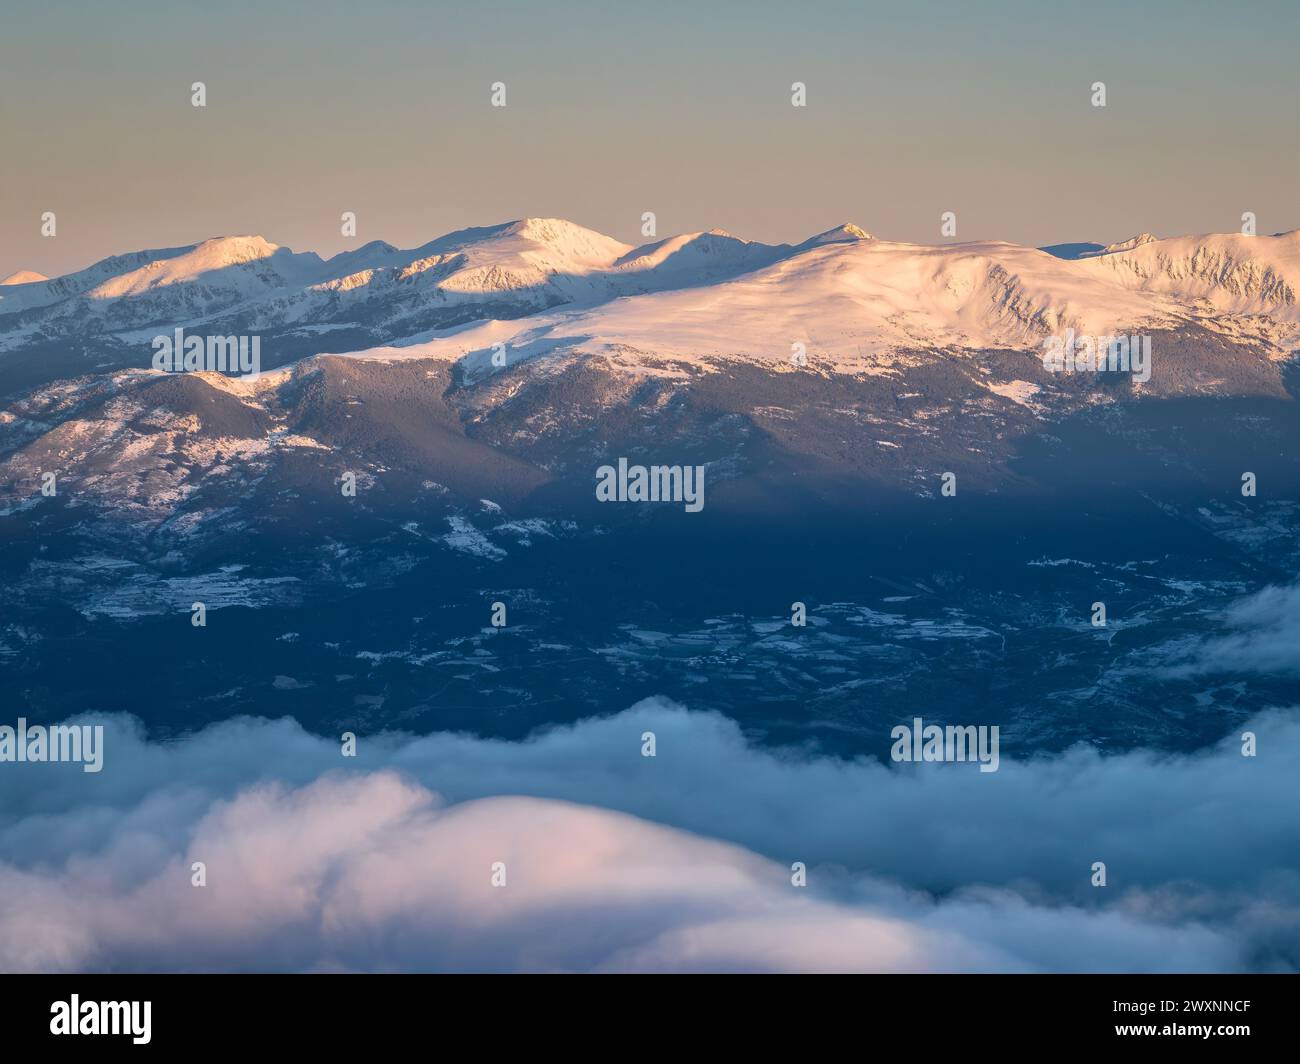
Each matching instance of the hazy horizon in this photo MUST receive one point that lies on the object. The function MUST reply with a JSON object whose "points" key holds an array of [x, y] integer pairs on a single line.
{"points": [[681, 111]]}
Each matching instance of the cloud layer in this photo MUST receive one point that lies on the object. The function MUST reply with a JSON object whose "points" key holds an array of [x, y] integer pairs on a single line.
{"points": [[619, 862], [1264, 637]]}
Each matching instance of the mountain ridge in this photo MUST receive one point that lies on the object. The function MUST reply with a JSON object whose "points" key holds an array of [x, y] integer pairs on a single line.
{"points": [[967, 294], [507, 362]]}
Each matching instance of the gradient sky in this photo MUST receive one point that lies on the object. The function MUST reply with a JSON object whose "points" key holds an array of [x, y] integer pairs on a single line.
{"points": [[383, 108]]}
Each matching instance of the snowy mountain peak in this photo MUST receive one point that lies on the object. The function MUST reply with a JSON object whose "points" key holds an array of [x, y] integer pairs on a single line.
{"points": [[546, 244], [857, 232], [1129, 244], [697, 257], [24, 277], [225, 250], [557, 233], [247, 263], [846, 233]]}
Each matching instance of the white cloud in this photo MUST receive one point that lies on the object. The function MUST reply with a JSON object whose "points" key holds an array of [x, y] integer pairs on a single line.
{"points": [[317, 862], [1265, 637]]}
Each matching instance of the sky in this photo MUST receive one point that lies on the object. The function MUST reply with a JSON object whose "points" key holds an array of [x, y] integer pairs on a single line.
{"points": [[683, 109]]}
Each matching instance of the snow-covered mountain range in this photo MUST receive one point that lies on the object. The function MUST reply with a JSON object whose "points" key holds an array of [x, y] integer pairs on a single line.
{"points": [[509, 361], [841, 289], [472, 388]]}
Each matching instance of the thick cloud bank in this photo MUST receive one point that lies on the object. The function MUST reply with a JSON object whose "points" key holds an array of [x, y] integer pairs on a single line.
{"points": [[614, 861]]}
